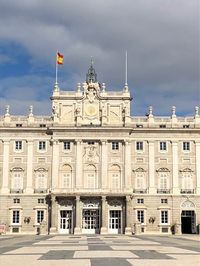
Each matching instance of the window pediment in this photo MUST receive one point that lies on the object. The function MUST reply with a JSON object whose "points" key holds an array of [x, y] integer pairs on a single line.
{"points": [[163, 169], [140, 169], [187, 170], [17, 169], [41, 169]]}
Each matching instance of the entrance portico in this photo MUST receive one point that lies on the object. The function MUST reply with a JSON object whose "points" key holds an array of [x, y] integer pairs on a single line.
{"points": [[88, 215]]}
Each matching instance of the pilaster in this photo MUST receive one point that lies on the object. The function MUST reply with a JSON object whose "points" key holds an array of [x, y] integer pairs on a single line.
{"points": [[127, 165], [197, 147], [55, 164], [175, 182], [152, 189], [104, 225], [77, 229], [53, 228], [79, 158], [128, 230], [104, 164], [29, 181], [5, 174]]}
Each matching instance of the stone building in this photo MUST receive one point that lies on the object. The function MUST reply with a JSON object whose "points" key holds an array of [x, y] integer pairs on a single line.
{"points": [[90, 167]]}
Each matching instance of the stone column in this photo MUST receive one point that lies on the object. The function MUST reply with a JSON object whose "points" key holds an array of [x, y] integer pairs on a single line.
{"points": [[197, 145], [128, 230], [54, 222], [5, 174], [29, 181], [152, 189], [77, 229], [176, 189], [127, 165], [104, 164], [104, 225], [55, 165], [79, 157]]}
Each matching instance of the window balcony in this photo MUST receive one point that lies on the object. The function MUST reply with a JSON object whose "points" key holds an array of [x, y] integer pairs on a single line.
{"points": [[187, 191], [163, 191], [140, 191], [40, 190], [16, 190]]}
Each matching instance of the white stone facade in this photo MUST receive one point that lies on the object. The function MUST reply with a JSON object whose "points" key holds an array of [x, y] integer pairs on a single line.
{"points": [[92, 168]]}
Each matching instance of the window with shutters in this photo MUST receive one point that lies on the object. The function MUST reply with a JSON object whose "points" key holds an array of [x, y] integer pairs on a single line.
{"points": [[67, 180], [187, 181], [140, 183]]}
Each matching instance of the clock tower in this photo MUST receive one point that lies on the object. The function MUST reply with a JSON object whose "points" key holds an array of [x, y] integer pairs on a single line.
{"points": [[91, 104]]}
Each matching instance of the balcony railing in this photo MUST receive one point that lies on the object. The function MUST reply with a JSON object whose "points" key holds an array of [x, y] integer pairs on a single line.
{"points": [[40, 190], [163, 191], [141, 191], [187, 191], [16, 190]]}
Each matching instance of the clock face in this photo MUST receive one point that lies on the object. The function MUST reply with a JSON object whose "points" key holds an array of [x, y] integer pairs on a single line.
{"points": [[91, 110]]}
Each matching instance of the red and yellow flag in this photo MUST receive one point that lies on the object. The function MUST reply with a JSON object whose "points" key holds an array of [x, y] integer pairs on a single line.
{"points": [[60, 58]]}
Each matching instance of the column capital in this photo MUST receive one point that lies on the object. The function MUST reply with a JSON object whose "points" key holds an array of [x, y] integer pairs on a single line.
{"points": [[6, 141], [78, 141], [103, 198], [104, 142], [127, 142], [78, 198]]}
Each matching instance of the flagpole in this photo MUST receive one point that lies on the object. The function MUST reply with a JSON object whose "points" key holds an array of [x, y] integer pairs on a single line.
{"points": [[56, 68]]}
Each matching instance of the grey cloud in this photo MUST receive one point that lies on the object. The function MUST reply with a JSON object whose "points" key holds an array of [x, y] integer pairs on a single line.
{"points": [[161, 38]]}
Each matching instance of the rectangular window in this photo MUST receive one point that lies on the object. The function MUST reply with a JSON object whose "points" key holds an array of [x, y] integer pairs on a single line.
{"points": [[162, 126], [140, 201], [18, 145], [40, 216], [15, 217], [66, 145], [164, 201], [140, 216], [90, 142], [115, 145], [42, 145], [164, 217], [18, 125], [139, 126], [16, 200], [163, 146], [41, 201], [186, 145], [42, 125], [139, 146]]}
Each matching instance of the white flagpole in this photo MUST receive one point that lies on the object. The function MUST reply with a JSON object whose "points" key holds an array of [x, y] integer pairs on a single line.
{"points": [[56, 68], [126, 70]]}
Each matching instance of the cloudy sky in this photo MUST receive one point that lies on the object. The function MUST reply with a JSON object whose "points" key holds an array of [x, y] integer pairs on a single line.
{"points": [[161, 37]]}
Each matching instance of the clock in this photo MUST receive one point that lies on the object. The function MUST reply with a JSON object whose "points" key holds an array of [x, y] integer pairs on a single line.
{"points": [[91, 109]]}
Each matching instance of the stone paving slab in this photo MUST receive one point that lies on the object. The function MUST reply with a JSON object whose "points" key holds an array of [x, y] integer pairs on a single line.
{"points": [[104, 254], [118, 250]]}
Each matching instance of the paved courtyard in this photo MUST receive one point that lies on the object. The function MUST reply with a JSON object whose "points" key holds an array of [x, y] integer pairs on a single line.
{"points": [[96, 250]]}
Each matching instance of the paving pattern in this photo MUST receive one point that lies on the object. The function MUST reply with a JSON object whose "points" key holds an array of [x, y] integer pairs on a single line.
{"points": [[113, 250]]}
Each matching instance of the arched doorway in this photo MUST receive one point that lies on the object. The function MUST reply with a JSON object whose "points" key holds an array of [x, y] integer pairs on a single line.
{"points": [[188, 218]]}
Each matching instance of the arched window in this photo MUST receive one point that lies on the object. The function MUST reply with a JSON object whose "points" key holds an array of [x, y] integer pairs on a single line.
{"points": [[163, 178], [140, 179], [41, 179], [115, 177], [90, 176], [17, 179], [66, 176]]}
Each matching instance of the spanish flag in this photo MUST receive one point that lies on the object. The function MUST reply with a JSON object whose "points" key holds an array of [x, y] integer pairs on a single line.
{"points": [[60, 58]]}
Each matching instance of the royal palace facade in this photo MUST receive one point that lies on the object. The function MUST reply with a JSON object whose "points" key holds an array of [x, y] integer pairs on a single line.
{"points": [[91, 168]]}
